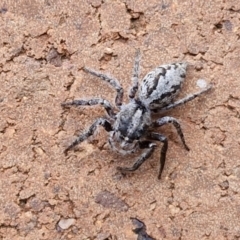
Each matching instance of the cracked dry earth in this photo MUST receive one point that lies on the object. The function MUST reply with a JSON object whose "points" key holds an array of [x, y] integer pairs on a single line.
{"points": [[47, 195]]}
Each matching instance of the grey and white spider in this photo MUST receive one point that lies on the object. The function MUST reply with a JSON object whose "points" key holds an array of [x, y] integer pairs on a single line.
{"points": [[131, 128]]}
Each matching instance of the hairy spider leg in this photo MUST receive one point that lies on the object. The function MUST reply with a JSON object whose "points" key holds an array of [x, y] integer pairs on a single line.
{"points": [[163, 139], [184, 100], [135, 76], [112, 81], [100, 121], [106, 104], [164, 120], [141, 159]]}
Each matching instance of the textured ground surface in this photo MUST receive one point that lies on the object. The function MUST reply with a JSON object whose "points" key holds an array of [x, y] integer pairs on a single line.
{"points": [[46, 195]]}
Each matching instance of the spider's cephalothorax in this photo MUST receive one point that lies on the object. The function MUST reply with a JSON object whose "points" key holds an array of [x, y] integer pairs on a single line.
{"points": [[131, 127]]}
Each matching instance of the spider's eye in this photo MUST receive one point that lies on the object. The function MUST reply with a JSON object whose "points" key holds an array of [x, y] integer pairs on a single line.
{"points": [[121, 137], [128, 140]]}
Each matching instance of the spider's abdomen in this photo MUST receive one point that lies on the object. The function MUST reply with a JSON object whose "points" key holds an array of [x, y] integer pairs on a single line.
{"points": [[160, 86]]}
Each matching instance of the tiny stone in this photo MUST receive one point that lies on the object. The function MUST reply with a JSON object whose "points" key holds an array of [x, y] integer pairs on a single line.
{"points": [[135, 15], [201, 83], [66, 223], [108, 51], [96, 3], [199, 66], [224, 185], [103, 236]]}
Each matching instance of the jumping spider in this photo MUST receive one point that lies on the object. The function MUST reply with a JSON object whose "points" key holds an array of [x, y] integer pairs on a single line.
{"points": [[131, 127]]}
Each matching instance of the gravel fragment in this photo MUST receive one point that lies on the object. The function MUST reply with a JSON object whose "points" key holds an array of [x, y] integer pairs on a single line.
{"points": [[202, 83], [66, 223]]}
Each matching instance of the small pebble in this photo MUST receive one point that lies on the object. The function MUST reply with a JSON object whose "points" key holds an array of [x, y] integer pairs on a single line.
{"points": [[201, 83], [66, 223], [108, 50]]}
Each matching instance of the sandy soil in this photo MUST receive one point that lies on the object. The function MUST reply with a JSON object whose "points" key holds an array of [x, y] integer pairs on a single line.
{"points": [[47, 195]]}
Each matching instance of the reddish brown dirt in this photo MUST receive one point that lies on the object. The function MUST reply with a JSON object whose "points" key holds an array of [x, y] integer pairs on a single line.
{"points": [[44, 45]]}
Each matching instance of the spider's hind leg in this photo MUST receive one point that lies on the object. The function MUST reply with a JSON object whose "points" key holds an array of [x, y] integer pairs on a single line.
{"points": [[184, 100]]}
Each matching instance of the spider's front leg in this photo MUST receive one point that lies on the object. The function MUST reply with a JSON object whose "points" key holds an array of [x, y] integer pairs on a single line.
{"points": [[112, 81], [135, 76], [164, 120], [108, 107], [151, 146], [142, 158], [100, 121], [163, 139]]}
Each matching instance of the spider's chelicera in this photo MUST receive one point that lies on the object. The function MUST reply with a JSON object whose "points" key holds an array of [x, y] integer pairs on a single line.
{"points": [[131, 127]]}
